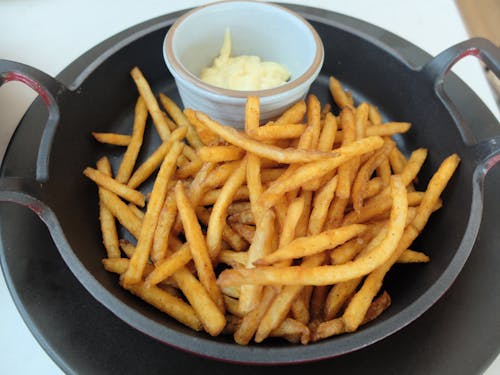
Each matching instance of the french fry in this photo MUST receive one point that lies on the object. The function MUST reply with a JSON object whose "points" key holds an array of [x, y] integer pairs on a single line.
{"points": [[181, 120], [294, 114], [245, 231], [219, 211], [166, 221], [206, 136], [151, 103], [233, 257], [374, 115], [317, 169], [121, 212], [411, 256], [207, 310], [145, 170], [211, 196], [243, 217], [218, 154], [339, 96], [169, 266], [137, 211], [106, 218], [114, 186], [145, 240], [198, 246], [260, 246], [313, 244], [389, 128], [272, 132], [130, 156], [236, 138], [112, 138], [321, 203]]}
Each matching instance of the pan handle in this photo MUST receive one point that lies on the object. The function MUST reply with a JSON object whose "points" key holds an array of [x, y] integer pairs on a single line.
{"points": [[488, 150], [49, 90]]}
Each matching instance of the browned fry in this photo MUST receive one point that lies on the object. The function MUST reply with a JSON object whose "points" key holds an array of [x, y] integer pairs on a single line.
{"points": [[108, 183], [339, 96], [181, 120], [166, 221], [281, 155], [294, 114], [106, 219], [317, 169], [209, 313], [293, 331], [377, 307], [151, 103], [272, 131], [389, 128], [130, 157], [251, 320], [112, 138], [243, 217], [149, 166], [211, 196], [384, 171], [145, 240], [218, 154], [245, 231], [318, 299], [359, 185], [238, 207], [235, 240], [206, 136], [260, 246], [198, 246], [217, 220], [121, 212], [313, 244]]}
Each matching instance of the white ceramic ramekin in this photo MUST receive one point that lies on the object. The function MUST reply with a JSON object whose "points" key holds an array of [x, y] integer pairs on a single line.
{"points": [[266, 30]]}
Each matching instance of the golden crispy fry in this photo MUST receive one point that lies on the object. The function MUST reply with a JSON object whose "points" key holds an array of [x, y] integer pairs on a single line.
{"points": [[233, 257], [114, 186], [251, 320], [209, 313], [359, 185], [270, 132], [106, 219], [169, 266], [317, 169], [219, 211], [328, 132], [339, 96], [244, 230], [198, 246], [374, 115], [235, 241], [130, 156], [389, 128], [411, 256], [128, 248], [206, 136], [217, 154], [220, 174], [121, 212], [294, 114], [236, 138], [309, 245], [314, 119], [181, 120], [112, 138], [211, 196], [232, 307], [137, 211], [145, 240], [347, 171], [166, 221], [151, 103], [260, 246], [397, 160], [149, 166], [360, 120], [321, 203]]}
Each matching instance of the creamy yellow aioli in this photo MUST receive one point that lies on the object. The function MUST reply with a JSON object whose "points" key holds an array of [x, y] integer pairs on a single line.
{"points": [[243, 72]]}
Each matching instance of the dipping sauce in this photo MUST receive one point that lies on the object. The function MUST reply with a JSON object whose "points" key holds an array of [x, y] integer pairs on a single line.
{"points": [[243, 72]]}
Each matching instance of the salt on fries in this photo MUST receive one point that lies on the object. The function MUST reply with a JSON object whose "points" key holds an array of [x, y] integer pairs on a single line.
{"points": [[304, 215]]}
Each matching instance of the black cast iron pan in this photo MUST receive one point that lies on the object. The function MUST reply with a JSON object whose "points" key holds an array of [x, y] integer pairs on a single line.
{"points": [[101, 99]]}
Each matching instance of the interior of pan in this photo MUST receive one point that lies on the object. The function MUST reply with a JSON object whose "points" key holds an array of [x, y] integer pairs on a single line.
{"points": [[105, 102]]}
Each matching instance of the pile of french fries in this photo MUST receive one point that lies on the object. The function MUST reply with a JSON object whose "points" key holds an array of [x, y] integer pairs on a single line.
{"points": [[285, 229]]}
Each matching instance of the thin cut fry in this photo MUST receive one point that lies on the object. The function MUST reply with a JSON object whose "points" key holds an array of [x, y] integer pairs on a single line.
{"points": [[130, 156], [151, 103], [218, 154], [145, 240], [112, 138]]}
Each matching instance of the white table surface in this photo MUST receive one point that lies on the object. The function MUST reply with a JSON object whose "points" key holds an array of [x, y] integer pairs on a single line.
{"points": [[50, 34]]}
